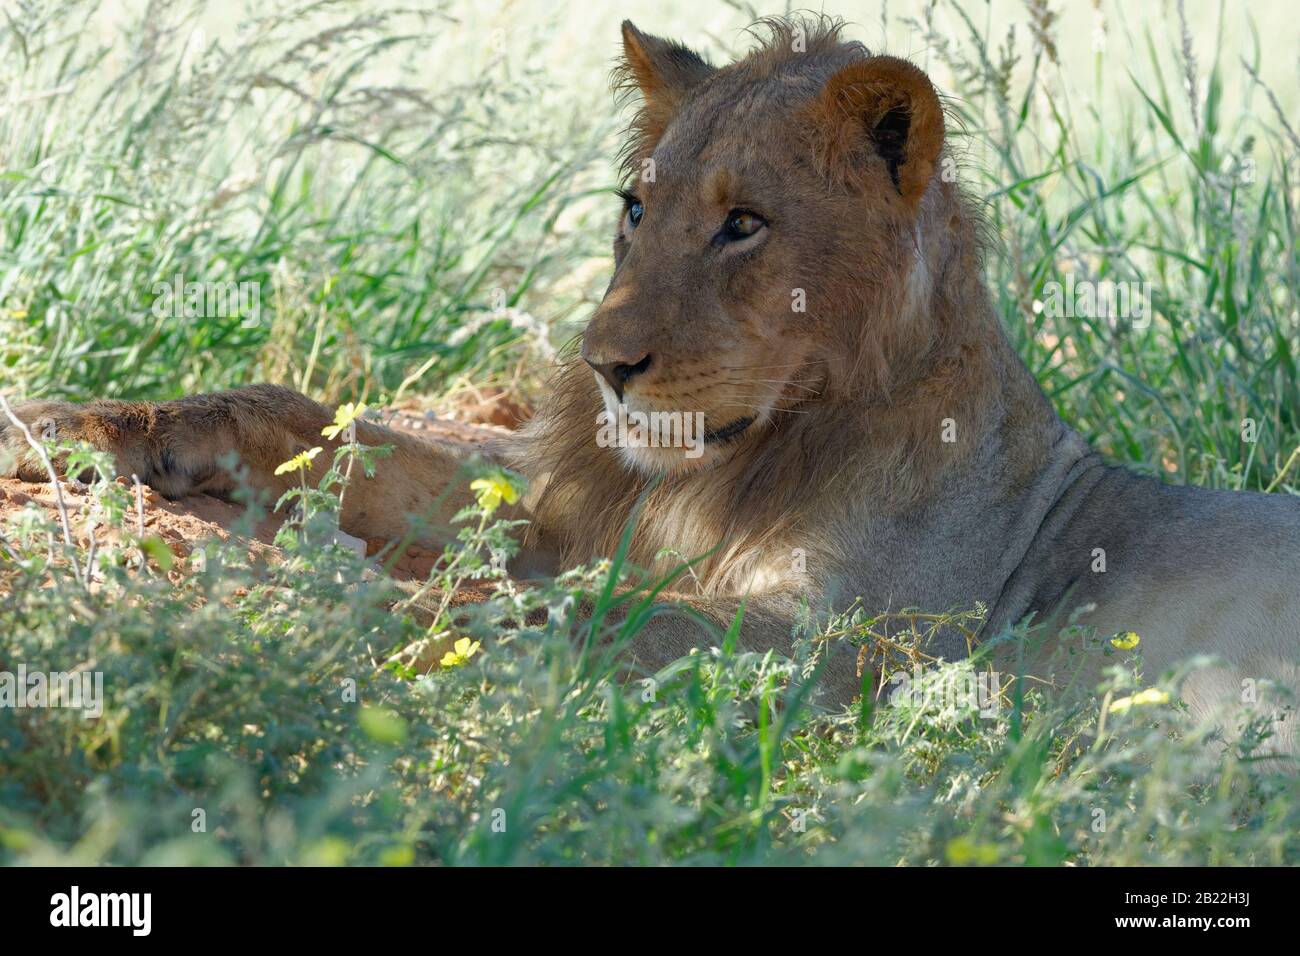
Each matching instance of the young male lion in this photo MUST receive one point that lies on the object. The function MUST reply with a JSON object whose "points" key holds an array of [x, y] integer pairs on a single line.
{"points": [[791, 265]]}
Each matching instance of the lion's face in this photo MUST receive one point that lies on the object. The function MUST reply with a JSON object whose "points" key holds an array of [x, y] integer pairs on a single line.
{"points": [[699, 319], [740, 230]]}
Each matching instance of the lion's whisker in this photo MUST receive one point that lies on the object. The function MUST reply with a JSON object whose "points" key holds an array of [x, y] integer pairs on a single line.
{"points": [[773, 381], [751, 408], [779, 381], [739, 368], [763, 399]]}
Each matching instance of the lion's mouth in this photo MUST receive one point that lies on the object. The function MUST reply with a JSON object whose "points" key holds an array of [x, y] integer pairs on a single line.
{"points": [[728, 432]]}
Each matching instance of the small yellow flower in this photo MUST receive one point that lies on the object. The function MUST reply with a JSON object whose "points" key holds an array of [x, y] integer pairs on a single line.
{"points": [[299, 462], [18, 313], [1143, 698], [344, 416], [963, 851], [491, 491], [1126, 641], [463, 650]]}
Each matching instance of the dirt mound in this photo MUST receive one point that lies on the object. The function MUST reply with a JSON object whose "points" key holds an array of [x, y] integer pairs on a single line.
{"points": [[184, 524]]}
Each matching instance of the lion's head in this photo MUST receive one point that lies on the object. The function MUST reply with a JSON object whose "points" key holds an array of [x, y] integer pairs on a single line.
{"points": [[797, 281], [768, 235]]}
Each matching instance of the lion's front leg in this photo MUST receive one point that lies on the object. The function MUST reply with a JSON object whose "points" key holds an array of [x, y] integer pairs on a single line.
{"points": [[183, 447]]}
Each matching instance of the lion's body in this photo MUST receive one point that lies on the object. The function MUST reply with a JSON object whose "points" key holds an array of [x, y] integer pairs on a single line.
{"points": [[884, 442], [1192, 571]]}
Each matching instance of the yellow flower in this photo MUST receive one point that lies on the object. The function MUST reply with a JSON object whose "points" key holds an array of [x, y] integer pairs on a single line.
{"points": [[464, 649], [1143, 698], [344, 416], [299, 462], [18, 313], [963, 851], [493, 489], [1126, 641]]}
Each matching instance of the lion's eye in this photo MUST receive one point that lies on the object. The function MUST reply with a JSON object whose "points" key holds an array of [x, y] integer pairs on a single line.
{"points": [[741, 224], [634, 210]]}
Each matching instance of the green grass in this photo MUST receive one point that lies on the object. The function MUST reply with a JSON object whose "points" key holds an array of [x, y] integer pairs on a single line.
{"points": [[1190, 196], [410, 195], [254, 715], [360, 206]]}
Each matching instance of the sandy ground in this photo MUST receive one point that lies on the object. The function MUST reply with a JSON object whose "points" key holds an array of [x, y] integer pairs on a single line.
{"points": [[184, 524]]}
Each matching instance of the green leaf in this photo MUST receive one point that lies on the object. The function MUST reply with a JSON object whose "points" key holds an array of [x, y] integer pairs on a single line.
{"points": [[382, 726], [156, 549]]}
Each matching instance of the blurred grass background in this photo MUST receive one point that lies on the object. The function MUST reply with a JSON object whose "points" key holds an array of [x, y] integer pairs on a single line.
{"points": [[420, 189]]}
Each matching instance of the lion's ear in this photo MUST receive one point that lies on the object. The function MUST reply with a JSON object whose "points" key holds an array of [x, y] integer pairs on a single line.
{"points": [[662, 70], [885, 108]]}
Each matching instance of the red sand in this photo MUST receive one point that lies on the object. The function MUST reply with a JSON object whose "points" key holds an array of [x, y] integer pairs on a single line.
{"points": [[184, 523]]}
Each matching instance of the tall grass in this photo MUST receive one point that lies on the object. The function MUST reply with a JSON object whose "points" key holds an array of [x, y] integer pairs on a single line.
{"points": [[1169, 186], [378, 213]]}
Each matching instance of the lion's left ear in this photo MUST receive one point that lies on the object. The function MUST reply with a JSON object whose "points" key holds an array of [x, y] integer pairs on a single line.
{"points": [[662, 71], [881, 113]]}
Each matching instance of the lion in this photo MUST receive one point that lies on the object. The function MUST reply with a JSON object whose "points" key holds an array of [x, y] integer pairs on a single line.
{"points": [[798, 290]]}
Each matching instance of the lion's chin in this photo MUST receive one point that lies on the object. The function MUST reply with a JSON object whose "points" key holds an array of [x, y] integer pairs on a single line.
{"points": [[673, 461], [708, 448], [655, 441]]}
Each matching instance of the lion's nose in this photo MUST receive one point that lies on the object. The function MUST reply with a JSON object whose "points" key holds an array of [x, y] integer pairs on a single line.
{"points": [[618, 374]]}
